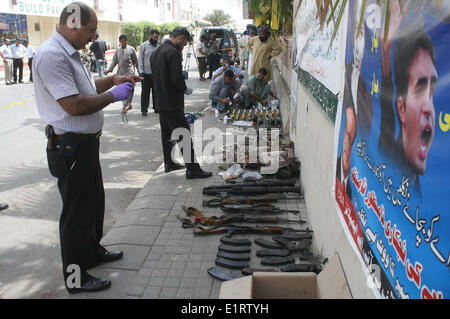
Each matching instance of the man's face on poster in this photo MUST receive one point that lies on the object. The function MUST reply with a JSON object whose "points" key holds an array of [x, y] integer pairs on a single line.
{"points": [[349, 138], [359, 50], [417, 113]]}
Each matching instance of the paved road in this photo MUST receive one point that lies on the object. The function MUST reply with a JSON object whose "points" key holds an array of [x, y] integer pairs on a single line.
{"points": [[29, 245]]}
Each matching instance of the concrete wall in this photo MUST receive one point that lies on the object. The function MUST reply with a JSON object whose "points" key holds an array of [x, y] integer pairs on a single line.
{"points": [[314, 147]]}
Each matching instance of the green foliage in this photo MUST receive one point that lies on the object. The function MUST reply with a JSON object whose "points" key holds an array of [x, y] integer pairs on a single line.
{"points": [[166, 28], [138, 32], [133, 32], [219, 18]]}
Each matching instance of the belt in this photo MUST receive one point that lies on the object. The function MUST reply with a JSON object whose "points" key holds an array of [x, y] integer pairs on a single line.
{"points": [[81, 137]]}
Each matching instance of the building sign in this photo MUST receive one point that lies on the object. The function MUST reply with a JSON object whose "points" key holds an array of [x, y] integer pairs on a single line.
{"points": [[47, 8]]}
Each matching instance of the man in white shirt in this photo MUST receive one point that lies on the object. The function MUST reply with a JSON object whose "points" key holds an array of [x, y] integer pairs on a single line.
{"points": [[202, 55], [243, 50], [6, 55], [18, 52], [30, 55]]}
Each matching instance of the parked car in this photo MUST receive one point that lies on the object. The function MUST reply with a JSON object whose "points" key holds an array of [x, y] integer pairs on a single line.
{"points": [[228, 41]]}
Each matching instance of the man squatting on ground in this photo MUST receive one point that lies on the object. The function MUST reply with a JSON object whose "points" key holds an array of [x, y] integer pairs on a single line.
{"points": [[70, 101]]}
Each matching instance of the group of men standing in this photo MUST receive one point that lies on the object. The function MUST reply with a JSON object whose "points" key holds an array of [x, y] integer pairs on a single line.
{"points": [[71, 102], [13, 56]]}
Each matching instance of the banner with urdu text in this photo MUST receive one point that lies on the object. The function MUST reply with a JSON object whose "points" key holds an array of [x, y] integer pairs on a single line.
{"points": [[393, 155]]}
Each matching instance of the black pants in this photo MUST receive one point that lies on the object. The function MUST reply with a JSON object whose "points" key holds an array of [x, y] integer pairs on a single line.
{"points": [[147, 88], [18, 64], [80, 184], [170, 121], [202, 66], [213, 62], [30, 66]]}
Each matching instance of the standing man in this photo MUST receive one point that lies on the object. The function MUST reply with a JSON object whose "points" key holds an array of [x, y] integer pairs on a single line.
{"points": [[126, 58], [202, 55], [145, 70], [18, 53], [6, 55], [170, 88], [30, 55], [263, 48], [243, 50], [70, 101], [99, 48], [214, 54], [253, 34]]}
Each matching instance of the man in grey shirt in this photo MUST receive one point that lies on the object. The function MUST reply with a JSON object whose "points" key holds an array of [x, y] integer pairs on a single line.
{"points": [[126, 59], [145, 70], [222, 91], [71, 103]]}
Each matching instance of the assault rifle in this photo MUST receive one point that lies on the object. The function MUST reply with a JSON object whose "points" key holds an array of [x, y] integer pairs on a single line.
{"points": [[253, 188], [248, 209], [224, 220], [231, 230], [256, 202]]}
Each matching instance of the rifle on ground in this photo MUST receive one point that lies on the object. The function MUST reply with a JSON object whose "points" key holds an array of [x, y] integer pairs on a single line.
{"points": [[255, 202], [224, 220], [250, 190], [248, 209], [231, 230]]}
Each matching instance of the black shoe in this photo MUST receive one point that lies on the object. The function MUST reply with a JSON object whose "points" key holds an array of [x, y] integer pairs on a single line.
{"points": [[105, 256], [91, 285], [144, 114], [3, 206], [8, 83], [197, 174], [174, 167], [20, 81]]}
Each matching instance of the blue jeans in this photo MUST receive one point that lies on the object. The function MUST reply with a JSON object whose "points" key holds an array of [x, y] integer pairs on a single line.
{"points": [[100, 64]]}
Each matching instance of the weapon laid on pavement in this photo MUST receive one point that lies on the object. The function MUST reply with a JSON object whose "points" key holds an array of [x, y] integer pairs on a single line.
{"points": [[301, 268], [277, 261], [291, 246], [230, 230], [222, 275], [250, 190], [247, 209], [225, 220], [230, 264], [250, 271], [235, 257], [235, 242], [273, 253], [267, 244], [235, 249], [296, 237], [255, 202], [266, 183]]}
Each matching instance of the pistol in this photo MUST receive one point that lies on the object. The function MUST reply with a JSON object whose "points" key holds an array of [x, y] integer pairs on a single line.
{"points": [[50, 134]]}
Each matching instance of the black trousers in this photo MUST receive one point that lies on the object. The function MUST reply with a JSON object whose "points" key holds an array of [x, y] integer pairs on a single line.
{"points": [[18, 64], [147, 88], [30, 66], [171, 121], [202, 66], [80, 184], [213, 63]]}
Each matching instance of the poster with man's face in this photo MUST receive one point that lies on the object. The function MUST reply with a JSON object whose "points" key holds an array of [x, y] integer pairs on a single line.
{"points": [[393, 154]]}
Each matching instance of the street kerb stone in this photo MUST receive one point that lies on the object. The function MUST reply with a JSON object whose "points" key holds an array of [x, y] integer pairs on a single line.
{"points": [[143, 217], [133, 257], [132, 235], [153, 201]]}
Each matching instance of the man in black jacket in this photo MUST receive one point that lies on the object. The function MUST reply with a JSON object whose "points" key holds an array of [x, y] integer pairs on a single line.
{"points": [[169, 89]]}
